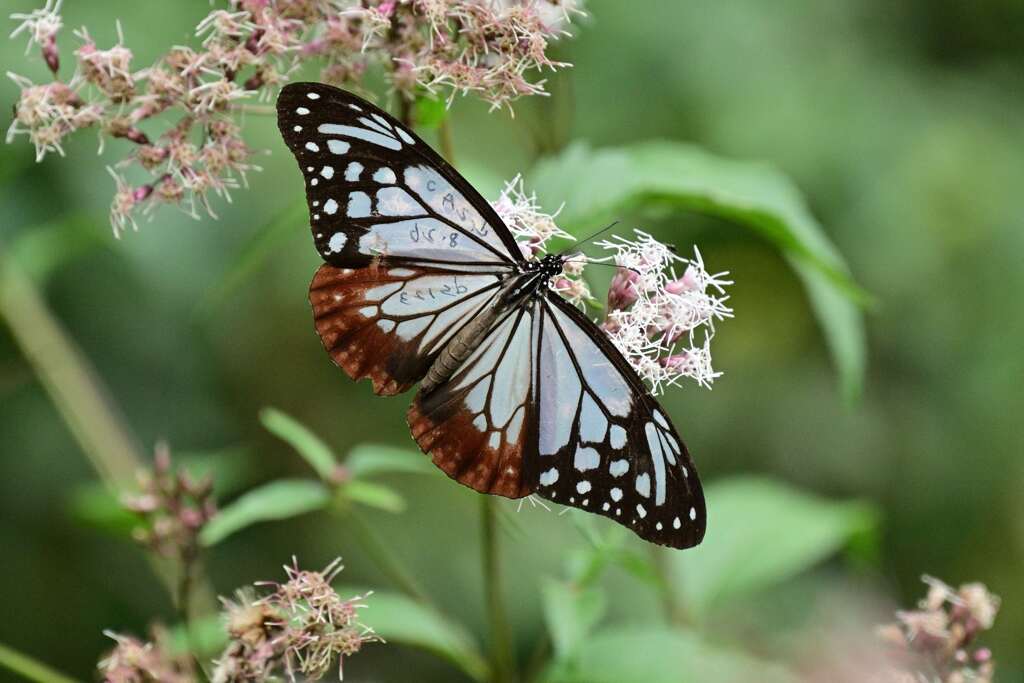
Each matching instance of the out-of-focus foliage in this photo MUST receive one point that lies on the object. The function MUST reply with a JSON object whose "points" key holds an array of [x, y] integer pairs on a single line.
{"points": [[902, 128]]}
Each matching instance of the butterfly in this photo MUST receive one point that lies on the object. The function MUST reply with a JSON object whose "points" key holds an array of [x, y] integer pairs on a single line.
{"points": [[520, 392]]}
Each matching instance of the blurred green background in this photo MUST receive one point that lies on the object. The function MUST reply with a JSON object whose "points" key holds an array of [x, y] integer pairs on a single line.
{"points": [[900, 122]]}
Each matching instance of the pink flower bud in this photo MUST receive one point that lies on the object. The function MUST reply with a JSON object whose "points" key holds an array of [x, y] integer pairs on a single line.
{"points": [[982, 655], [622, 290], [50, 54], [689, 282]]}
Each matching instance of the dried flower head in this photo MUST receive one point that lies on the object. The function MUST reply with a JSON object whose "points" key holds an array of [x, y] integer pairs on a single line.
{"points": [[936, 641], [173, 508], [300, 627], [247, 50], [135, 661]]}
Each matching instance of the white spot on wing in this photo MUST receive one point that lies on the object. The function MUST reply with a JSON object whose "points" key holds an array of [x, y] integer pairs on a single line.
{"points": [[301, 111], [338, 147], [385, 176], [583, 486], [643, 485], [352, 171], [312, 96], [297, 129], [337, 242], [358, 205], [327, 172], [676, 523], [586, 459], [365, 134], [548, 478], [616, 494], [617, 437], [312, 147], [618, 467], [405, 136], [693, 513], [330, 207], [641, 511]]}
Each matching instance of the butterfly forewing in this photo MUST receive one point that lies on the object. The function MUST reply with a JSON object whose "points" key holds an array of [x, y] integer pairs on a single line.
{"points": [[375, 189]]}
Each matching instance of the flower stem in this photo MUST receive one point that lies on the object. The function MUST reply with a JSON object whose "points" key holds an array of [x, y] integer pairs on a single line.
{"points": [[444, 134], [29, 668], [69, 379], [675, 612], [385, 559], [501, 640]]}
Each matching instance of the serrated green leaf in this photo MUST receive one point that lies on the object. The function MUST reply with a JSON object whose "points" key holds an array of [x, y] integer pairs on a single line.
{"points": [[660, 655], [307, 444], [761, 532], [277, 500], [367, 460], [399, 619], [659, 176], [374, 495], [570, 612]]}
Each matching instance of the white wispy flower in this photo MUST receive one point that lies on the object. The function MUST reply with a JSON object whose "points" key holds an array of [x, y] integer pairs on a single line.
{"points": [[663, 323], [41, 25]]}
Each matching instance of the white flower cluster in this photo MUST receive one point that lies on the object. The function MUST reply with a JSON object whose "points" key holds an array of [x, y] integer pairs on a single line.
{"points": [[662, 323], [533, 228]]}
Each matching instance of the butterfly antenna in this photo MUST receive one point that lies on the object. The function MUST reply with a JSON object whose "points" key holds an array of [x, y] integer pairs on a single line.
{"points": [[587, 239], [602, 263]]}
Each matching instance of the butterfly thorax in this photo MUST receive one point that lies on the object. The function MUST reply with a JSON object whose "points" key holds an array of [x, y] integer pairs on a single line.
{"points": [[530, 281]]}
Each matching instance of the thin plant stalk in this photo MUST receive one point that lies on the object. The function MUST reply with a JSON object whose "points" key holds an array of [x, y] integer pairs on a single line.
{"points": [[30, 669], [385, 559], [502, 654], [675, 611], [70, 380]]}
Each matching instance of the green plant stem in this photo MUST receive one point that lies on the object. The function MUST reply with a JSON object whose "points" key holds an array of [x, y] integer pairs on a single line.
{"points": [[29, 668], [444, 134], [501, 641], [675, 612], [384, 558], [69, 379], [78, 394]]}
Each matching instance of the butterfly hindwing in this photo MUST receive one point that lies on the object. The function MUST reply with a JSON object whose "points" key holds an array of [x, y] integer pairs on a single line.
{"points": [[479, 426], [389, 323], [605, 445], [375, 189]]}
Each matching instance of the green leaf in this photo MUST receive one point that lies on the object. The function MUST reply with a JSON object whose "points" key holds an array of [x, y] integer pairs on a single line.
{"points": [[373, 495], [204, 637], [571, 612], [761, 532], [277, 500], [661, 655], [43, 249], [92, 504], [366, 460], [660, 176], [318, 454], [429, 111], [399, 619]]}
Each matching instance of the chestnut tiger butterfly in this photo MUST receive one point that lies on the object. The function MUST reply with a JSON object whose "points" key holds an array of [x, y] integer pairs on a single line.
{"points": [[520, 392]]}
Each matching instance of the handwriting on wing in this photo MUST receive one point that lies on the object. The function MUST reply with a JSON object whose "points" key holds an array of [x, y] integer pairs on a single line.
{"points": [[450, 289]]}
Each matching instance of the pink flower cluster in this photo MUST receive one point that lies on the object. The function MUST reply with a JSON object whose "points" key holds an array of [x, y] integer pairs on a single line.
{"points": [[937, 641], [302, 626], [182, 112]]}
